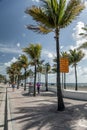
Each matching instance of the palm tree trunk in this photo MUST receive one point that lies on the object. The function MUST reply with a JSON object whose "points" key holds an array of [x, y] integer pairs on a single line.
{"points": [[46, 79], [61, 106], [76, 79], [64, 80], [25, 80], [18, 83], [35, 81]]}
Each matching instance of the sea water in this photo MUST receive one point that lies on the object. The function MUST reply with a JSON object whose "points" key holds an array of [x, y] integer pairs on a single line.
{"points": [[71, 86]]}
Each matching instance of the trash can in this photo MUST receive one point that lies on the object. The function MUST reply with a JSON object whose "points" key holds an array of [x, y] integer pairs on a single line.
{"points": [[31, 89]]}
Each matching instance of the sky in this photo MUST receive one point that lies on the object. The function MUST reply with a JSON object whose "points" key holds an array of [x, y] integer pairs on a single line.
{"points": [[14, 36]]}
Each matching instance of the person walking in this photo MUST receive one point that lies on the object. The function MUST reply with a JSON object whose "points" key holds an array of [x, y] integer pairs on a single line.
{"points": [[38, 87], [13, 86]]}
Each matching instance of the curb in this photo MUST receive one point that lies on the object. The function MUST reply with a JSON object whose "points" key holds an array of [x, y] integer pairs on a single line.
{"points": [[2, 112]]}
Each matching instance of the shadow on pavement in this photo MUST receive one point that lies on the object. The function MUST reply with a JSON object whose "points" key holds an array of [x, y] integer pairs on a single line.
{"points": [[40, 113]]}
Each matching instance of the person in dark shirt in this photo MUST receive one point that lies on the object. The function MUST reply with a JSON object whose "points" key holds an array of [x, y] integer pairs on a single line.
{"points": [[38, 87], [13, 86]]}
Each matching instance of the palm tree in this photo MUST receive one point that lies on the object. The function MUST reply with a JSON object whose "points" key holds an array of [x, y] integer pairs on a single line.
{"points": [[74, 57], [51, 17], [34, 52], [24, 63], [18, 68], [2, 78], [12, 71]]}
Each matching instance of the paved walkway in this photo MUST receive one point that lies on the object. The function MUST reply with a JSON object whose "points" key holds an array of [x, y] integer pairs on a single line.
{"points": [[40, 113]]}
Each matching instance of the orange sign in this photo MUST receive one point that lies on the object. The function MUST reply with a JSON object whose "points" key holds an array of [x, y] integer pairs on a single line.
{"points": [[64, 65]]}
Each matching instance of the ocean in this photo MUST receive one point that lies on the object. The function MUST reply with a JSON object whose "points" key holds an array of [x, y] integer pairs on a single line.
{"points": [[71, 86]]}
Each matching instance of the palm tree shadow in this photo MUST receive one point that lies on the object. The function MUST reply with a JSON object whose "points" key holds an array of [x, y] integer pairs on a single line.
{"points": [[44, 115], [42, 93]]}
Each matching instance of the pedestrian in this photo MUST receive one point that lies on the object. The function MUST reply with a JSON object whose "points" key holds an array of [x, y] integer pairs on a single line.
{"points": [[13, 86], [38, 87]]}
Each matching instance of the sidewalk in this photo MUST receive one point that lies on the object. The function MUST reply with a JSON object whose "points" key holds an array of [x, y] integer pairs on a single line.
{"points": [[40, 112]]}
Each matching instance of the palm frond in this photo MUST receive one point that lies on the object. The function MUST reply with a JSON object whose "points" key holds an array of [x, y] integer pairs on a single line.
{"points": [[85, 28], [75, 56], [73, 9], [33, 50], [84, 45], [40, 16], [84, 34], [23, 60], [39, 29], [53, 14]]}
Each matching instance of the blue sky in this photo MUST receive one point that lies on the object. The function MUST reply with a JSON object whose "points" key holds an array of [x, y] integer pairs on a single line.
{"points": [[14, 36]]}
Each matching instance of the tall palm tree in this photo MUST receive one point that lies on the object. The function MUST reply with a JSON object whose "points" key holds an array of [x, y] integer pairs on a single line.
{"points": [[18, 68], [74, 57], [2, 78], [34, 52], [24, 63], [51, 17], [10, 73]]}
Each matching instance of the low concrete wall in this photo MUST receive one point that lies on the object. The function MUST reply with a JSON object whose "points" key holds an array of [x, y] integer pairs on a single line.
{"points": [[79, 95]]}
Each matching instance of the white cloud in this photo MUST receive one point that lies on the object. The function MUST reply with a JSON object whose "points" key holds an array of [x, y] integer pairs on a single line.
{"points": [[13, 60], [3, 66], [72, 47], [36, 0], [85, 52], [18, 44], [2, 70], [78, 39], [70, 77], [48, 56], [10, 49], [85, 3], [25, 16], [47, 53], [77, 30], [81, 74], [61, 47], [10, 62]]}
